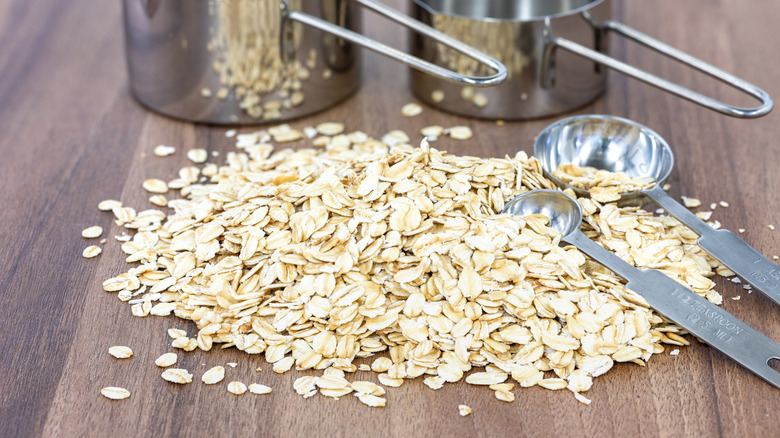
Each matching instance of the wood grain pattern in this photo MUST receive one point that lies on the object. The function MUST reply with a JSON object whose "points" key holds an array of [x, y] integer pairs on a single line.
{"points": [[71, 135]]}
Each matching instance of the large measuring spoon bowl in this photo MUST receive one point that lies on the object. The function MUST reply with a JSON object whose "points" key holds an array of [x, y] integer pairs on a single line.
{"points": [[607, 143], [620, 145], [703, 319]]}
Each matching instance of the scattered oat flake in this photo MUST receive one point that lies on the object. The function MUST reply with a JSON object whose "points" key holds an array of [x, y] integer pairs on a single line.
{"points": [[411, 110], [502, 387], [704, 215], [581, 398], [395, 137], [158, 200], [115, 393], [432, 131], [690, 202], [108, 205], [555, 383], [371, 400], [120, 351], [164, 151], [154, 185], [91, 251], [197, 156], [232, 364], [674, 352], [213, 375], [166, 360], [724, 204], [176, 333], [771, 227], [480, 100], [434, 382], [306, 386], [205, 92], [92, 232], [459, 132], [236, 388], [741, 230], [736, 298], [230, 133], [464, 410], [486, 378], [177, 375], [713, 206], [330, 128], [505, 396], [287, 136], [364, 367], [437, 96], [257, 388], [736, 280]]}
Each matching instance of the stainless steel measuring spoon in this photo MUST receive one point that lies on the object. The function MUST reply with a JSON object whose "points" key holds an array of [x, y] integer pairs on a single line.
{"points": [[703, 319], [620, 145]]}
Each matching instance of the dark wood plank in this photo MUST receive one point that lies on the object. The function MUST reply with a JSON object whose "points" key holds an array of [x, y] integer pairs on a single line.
{"points": [[70, 136]]}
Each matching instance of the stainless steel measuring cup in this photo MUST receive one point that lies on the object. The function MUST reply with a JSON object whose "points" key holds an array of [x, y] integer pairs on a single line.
{"points": [[620, 145], [701, 318], [557, 55], [251, 61]]}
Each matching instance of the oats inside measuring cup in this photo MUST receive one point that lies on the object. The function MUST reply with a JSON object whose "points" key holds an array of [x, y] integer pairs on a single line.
{"points": [[250, 65], [603, 185]]}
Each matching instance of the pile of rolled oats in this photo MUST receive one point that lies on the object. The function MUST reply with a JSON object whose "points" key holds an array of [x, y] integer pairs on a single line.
{"points": [[321, 258]]}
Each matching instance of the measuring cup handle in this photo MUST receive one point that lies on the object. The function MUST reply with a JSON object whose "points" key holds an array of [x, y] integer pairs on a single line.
{"points": [[403, 57], [671, 87], [700, 317], [727, 247]]}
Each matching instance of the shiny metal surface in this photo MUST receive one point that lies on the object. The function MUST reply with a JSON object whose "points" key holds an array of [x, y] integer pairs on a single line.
{"points": [[522, 10], [621, 145], [555, 51], [563, 211], [604, 142], [252, 61], [700, 317]]}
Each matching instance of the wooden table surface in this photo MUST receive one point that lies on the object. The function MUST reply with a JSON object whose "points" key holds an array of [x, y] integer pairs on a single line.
{"points": [[71, 136]]}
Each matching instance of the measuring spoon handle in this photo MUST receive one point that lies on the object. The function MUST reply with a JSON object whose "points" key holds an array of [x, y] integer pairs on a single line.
{"points": [[727, 247], [701, 318]]}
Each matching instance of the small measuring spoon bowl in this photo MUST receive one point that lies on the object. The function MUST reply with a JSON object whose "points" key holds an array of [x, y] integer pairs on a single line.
{"points": [[621, 145], [700, 317]]}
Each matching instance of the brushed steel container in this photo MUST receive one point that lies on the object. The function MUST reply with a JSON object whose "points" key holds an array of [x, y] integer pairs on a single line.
{"points": [[556, 55], [254, 61]]}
